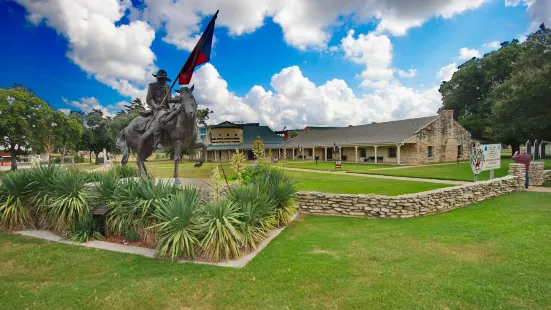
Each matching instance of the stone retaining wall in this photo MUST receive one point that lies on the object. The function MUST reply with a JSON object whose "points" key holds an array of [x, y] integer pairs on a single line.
{"points": [[411, 205], [546, 175], [536, 173]]}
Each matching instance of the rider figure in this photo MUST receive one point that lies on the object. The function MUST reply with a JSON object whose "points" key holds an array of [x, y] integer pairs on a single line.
{"points": [[155, 95]]}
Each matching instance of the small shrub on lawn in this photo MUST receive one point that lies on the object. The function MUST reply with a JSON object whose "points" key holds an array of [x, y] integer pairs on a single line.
{"points": [[179, 225], [84, 229], [15, 211], [222, 225]]}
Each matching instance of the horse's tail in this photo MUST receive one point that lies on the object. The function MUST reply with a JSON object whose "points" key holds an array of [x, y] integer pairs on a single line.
{"points": [[121, 144]]}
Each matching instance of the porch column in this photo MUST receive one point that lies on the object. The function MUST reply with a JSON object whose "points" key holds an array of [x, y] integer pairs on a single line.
{"points": [[293, 154], [356, 148], [302, 153], [340, 153], [229, 155], [284, 153], [325, 152], [398, 146], [206, 156], [314, 153], [215, 153], [375, 153]]}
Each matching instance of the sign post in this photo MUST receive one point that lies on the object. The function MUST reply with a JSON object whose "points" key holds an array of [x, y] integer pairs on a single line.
{"points": [[338, 164], [486, 157]]}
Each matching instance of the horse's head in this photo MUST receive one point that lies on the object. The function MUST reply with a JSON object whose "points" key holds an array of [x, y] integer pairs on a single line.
{"points": [[187, 100]]}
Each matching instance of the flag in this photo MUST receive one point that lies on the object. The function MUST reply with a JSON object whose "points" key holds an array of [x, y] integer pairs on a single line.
{"points": [[334, 147], [199, 55]]}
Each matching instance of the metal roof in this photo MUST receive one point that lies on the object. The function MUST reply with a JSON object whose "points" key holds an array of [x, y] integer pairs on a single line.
{"points": [[376, 133]]}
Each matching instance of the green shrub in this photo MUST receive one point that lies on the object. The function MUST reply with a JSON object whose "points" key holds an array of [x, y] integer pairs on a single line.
{"points": [[179, 224], [134, 203], [15, 211], [84, 229], [95, 176], [125, 171], [104, 188], [69, 200], [222, 224], [257, 209]]}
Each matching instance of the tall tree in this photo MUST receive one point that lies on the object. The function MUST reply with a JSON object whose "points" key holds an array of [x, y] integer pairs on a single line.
{"points": [[98, 134], [23, 117]]}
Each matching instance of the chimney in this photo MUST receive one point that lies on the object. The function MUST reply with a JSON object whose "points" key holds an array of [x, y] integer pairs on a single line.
{"points": [[447, 119]]}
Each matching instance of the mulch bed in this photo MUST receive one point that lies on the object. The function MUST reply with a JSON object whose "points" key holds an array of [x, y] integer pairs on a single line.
{"points": [[121, 240]]}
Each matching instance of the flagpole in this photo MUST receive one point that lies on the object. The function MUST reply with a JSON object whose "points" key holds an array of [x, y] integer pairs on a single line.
{"points": [[174, 82]]}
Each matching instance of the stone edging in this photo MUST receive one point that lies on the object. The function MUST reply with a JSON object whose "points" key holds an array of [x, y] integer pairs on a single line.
{"points": [[128, 249], [410, 205]]}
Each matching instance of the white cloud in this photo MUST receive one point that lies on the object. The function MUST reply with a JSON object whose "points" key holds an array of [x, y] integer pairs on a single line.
{"points": [[296, 101], [117, 55], [494, 45], [539, 10], [87, 104], [467, 53], [65, 111], [446, 73], [407, 74]]}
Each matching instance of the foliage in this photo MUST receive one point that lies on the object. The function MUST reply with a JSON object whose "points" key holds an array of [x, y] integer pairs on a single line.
{"points": [[216, 183], [203, 115], [15, 210], [103, 189], [258, 149], [257, 209], [238, 163], [270, 156], [126, 171], [294, 134], [179, 225], [84, 229], [97, 133], [41, 189], [222, 224]]}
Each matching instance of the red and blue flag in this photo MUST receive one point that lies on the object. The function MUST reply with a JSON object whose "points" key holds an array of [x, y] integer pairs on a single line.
{"points": [[199, 55], [335, 147]]}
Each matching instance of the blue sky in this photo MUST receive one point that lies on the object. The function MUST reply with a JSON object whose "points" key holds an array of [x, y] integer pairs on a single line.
{"points": [[76, 55]]}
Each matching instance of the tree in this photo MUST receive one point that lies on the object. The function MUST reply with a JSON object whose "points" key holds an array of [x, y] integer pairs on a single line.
{"points": [[203, 115], [98, 135], [294, 134], [23, 117]]}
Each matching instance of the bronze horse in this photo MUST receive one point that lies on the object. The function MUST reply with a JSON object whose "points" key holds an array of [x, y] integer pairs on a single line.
{"points": [[179, 131]]}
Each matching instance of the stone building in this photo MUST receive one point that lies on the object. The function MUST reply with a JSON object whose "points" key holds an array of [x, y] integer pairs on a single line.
{"points": [[223, 139], [423, 140]]}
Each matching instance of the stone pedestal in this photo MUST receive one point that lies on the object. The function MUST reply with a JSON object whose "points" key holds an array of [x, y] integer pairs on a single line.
{"points": [[536, 173]]}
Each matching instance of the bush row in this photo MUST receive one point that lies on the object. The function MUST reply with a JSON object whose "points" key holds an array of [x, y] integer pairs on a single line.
{"points": [[174, 220]]}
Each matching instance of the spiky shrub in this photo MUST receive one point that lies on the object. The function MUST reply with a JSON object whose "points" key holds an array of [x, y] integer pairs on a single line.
{"points": [[179, 225], [257, 209], [102, 191], [222, 225], [84, 229], [15, 211], [238, 163], [69, 200], [41, 191], [126, 171], [95, 176], [133, 205]]}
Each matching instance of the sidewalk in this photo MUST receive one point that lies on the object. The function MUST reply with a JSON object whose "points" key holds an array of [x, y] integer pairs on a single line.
{"points": [[539, 189], [382, 176]]}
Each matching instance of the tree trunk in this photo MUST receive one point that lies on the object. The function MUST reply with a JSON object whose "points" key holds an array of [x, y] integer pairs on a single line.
{"points": [[96, 154], [13, 159], [90, 156]]}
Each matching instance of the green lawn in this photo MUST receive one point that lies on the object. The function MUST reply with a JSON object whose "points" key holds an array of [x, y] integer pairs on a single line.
{"points": [[345, 184], [491, 255], [330, 166], [460, 172], [165, 169]]}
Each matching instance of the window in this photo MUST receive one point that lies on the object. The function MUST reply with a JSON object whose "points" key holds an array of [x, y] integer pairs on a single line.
{"points": [[429, 151], [236, 135], [363, 153], [392, 152], [459, 150], [228, 135]]}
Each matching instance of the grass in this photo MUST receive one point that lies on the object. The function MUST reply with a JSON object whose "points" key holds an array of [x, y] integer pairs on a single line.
{"points": [[493, 254], [330, 166], [86, 166], [453, 171], [345, 184], [165, 169]]}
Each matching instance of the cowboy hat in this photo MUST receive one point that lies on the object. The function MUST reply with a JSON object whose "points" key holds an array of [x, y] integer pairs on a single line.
{"points": [[162, 74]]}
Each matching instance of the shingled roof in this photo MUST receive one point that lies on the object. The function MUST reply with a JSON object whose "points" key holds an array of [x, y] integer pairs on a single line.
{"points": [[375, 133], [250, 133]]}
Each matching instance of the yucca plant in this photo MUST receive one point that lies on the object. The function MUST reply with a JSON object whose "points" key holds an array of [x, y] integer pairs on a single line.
{"points": [[257, 209], [69, 200], [221, 224], [134, 203], [126, 171], [94, 176], [15, 212], [84, 229], [41, 184], [102, 191], [179, 225]]}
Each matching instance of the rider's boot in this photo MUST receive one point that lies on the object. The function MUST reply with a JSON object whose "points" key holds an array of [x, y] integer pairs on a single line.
{"points": [[157, 140]]}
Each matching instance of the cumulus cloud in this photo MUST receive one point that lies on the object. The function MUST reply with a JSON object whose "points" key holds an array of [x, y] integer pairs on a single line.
{"points": [[118, 55], [407, 74], [494, 45], [446, 73], [467, 53], [296, 101], [65, 111], [539, 10], [87, 104]]}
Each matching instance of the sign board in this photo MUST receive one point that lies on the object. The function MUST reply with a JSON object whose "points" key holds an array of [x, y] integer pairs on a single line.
{"points": [[486, 157], [338, 164], [492, 156]]}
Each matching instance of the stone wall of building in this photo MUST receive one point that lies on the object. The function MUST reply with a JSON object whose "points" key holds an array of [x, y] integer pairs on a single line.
{"points": [[411, 205], [409, 154], [444, 135]]}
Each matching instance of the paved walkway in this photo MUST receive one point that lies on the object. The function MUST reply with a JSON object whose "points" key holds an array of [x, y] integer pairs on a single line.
{"points": [[539, 189], [376, 176]]}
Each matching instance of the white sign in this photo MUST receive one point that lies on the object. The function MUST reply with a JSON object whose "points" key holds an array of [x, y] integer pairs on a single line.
{"points": [[477, 160], [492, 156]]}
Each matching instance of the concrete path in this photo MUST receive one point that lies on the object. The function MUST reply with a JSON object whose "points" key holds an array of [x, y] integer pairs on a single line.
{"points": [[128, 249], [376, 176], [539, 189]]}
